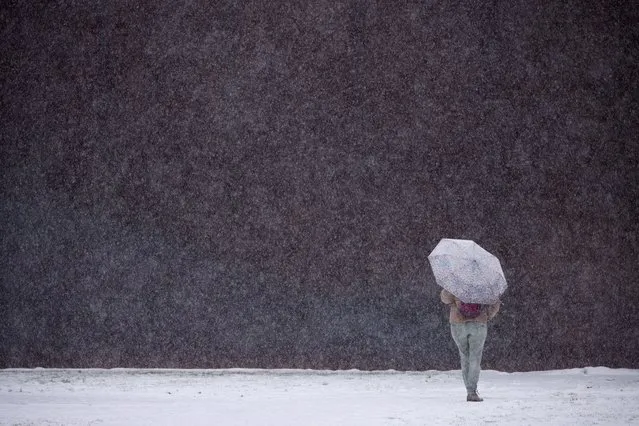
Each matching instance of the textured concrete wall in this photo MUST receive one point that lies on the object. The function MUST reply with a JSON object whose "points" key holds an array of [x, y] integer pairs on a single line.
{"points": [[258, 184]]}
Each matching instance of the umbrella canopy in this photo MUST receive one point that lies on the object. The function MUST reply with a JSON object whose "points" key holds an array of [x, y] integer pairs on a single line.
{"points": [[468, 271]]}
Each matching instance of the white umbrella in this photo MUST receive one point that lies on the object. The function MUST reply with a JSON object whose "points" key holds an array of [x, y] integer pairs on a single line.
{"points": [[468, 271]]}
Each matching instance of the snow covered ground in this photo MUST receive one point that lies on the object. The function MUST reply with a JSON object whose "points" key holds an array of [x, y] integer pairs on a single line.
{"points": [[300, 397]]}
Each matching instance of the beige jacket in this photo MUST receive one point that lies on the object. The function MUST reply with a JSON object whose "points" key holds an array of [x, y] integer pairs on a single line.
{"points": [[488, 312]]}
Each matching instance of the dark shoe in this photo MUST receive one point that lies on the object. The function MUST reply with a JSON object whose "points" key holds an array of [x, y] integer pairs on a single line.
{"points": [[473, 397]]}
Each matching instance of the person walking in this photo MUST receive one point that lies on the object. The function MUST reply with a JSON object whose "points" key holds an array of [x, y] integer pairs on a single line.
{"points": [[469, 327]]}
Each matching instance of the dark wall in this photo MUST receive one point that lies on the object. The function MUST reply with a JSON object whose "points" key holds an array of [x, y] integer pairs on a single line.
{"points": [[258, 184]]}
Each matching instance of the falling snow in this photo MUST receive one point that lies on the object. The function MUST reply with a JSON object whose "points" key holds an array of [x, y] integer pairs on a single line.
{"points": [[258, 184]]}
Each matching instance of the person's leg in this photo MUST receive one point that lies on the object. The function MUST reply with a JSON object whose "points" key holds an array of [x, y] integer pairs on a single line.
{"points": [[476, 339], [460, 336]]}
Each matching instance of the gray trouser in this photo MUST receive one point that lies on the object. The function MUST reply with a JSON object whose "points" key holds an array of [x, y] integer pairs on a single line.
{"points": [[470, 338]]}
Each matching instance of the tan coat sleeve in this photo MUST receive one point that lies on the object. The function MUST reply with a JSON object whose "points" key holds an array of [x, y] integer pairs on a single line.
{"points": [[447, 297], [493, 309]]}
